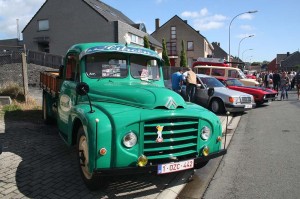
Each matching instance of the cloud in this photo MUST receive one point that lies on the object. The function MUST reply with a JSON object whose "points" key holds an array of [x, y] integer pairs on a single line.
{"points": [[246, 16], [246, 27], [11, 10], [203, 20]]}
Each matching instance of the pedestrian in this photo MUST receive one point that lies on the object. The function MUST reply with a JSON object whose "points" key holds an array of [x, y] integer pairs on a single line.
{"points": [[176, 80], [191, 84], [284, 83], [266, 79], [297, 83], [276, 81]]}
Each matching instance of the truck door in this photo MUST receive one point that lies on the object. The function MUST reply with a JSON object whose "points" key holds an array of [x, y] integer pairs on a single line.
{"points": [[68, 97]]}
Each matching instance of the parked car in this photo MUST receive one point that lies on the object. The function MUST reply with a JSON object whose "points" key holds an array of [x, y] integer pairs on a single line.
{"points": [[223, 99], [261, 94], [228, 72]]}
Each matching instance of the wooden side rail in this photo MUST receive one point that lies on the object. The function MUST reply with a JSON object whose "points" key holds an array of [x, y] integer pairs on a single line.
{"points": [[50, 82]]}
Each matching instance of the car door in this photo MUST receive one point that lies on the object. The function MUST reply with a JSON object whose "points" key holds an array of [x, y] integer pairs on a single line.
{"points": [[201, 92]]}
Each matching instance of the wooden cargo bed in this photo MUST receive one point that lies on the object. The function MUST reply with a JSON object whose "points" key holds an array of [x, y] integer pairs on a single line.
{"points": [[50, 82]]}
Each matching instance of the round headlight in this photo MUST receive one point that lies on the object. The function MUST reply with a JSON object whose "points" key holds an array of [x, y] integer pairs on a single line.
{"points": [[205, 133], [130, 139]]}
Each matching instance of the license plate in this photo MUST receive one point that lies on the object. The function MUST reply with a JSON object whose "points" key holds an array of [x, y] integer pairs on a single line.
{"points": [[175, 166], [248, 106]]}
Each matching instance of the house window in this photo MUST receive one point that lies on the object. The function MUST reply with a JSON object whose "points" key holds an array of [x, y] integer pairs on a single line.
{"points": [[190, 45], [43, 24], [136, 39], [172, 48], [173, 32]]}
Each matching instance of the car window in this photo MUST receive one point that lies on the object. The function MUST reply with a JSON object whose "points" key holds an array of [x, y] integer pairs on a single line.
{"points": [[233, 74], [234, 82], [217, 72], [211, 82]]}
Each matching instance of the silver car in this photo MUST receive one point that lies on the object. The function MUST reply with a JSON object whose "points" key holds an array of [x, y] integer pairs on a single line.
{"points": [[222, 99]]}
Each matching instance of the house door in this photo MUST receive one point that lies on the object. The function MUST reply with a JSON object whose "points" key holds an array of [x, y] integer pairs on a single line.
{"points": [[172, 62]]}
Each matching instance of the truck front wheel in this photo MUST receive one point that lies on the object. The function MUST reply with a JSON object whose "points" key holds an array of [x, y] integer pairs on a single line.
{"points": [[91, 181]]}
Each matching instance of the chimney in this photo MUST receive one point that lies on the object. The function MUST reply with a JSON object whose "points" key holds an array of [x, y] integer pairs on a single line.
{"points": [[218, 43], [185, 21], [156, 23], [288, 54]]}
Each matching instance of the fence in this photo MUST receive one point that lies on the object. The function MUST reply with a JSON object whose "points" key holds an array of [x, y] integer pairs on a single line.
{"points": [[44, 59]]}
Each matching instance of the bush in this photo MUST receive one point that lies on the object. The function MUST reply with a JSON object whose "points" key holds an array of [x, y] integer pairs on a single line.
{"points": [[13, 90]]}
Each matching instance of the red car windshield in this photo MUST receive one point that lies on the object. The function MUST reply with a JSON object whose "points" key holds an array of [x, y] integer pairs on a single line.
{"points": [[234, 82]]}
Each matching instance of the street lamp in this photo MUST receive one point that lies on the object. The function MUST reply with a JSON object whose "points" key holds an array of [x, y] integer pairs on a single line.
{"points": [[249, 12], [244, 52], [240, 45]]}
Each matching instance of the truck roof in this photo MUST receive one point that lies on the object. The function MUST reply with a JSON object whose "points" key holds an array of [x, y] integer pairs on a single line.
{"points": [[106, 47]]}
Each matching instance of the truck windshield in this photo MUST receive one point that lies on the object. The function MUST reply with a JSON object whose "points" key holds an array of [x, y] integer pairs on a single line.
{"points": [[106, 65], [144, 68]]}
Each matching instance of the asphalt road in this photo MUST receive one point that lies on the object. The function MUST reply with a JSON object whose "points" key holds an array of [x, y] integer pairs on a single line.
{"points": [[263, 158]]}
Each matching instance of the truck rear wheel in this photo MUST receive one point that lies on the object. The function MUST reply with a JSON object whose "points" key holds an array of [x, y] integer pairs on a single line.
{"points": [[47, 119], [92, 182]]}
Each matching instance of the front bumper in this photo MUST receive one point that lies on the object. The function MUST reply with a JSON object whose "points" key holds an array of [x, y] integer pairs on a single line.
{"points": [[151, 168], [238, 107]]}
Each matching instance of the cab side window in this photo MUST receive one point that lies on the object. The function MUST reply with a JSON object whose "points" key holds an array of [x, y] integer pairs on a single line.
{"points": [[217, 72], [233, 74], [72, 68]]}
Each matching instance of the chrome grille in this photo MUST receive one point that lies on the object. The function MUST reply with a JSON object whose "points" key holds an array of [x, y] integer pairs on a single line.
{"points": [[180, 137], [245, 100]]}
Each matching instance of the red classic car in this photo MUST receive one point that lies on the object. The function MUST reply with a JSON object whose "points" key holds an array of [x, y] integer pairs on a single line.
{"points": [[260, 94]]}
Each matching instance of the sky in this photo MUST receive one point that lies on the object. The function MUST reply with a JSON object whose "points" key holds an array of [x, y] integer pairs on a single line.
{"points": [[275, 26]]}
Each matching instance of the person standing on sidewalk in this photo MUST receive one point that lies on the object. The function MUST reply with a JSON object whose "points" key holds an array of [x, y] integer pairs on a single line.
{"points": [[191, 83], [176, 80]]}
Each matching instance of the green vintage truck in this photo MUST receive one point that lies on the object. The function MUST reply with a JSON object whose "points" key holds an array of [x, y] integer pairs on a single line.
{"points": [[109, 100]]}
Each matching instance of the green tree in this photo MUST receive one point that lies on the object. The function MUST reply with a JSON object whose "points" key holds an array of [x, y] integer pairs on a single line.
{"points": [[183, 60], [146, 42], [165, 53]]}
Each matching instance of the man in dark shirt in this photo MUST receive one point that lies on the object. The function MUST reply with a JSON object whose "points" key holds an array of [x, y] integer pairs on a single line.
{"points": [[276, 80]]}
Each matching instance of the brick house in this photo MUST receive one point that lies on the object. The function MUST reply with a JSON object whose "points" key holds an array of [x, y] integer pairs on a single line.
{"points": [[174, 31], [58, 24]]}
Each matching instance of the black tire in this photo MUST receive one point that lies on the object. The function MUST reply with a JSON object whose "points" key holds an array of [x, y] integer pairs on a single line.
{"points": [[200, 164], [217, 106], [91, 181], [46, 118]]}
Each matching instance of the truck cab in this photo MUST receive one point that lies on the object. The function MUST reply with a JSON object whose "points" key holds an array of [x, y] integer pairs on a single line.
{"points": [[109, 100]]}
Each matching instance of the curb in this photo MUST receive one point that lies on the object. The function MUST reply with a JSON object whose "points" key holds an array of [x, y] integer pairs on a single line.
{"points": [[177, 185], [4, 100]]}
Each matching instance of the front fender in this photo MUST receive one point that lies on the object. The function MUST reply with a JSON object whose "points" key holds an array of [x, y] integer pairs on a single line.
{"points": [[98, 127]]}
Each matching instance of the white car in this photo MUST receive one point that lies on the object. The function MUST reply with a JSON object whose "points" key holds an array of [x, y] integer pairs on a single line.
{"points": [[222, 98]]}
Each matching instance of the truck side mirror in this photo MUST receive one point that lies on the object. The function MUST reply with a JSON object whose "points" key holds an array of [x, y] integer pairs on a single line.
{"points": [[210, 92], [82, 88], [61, 71]]}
